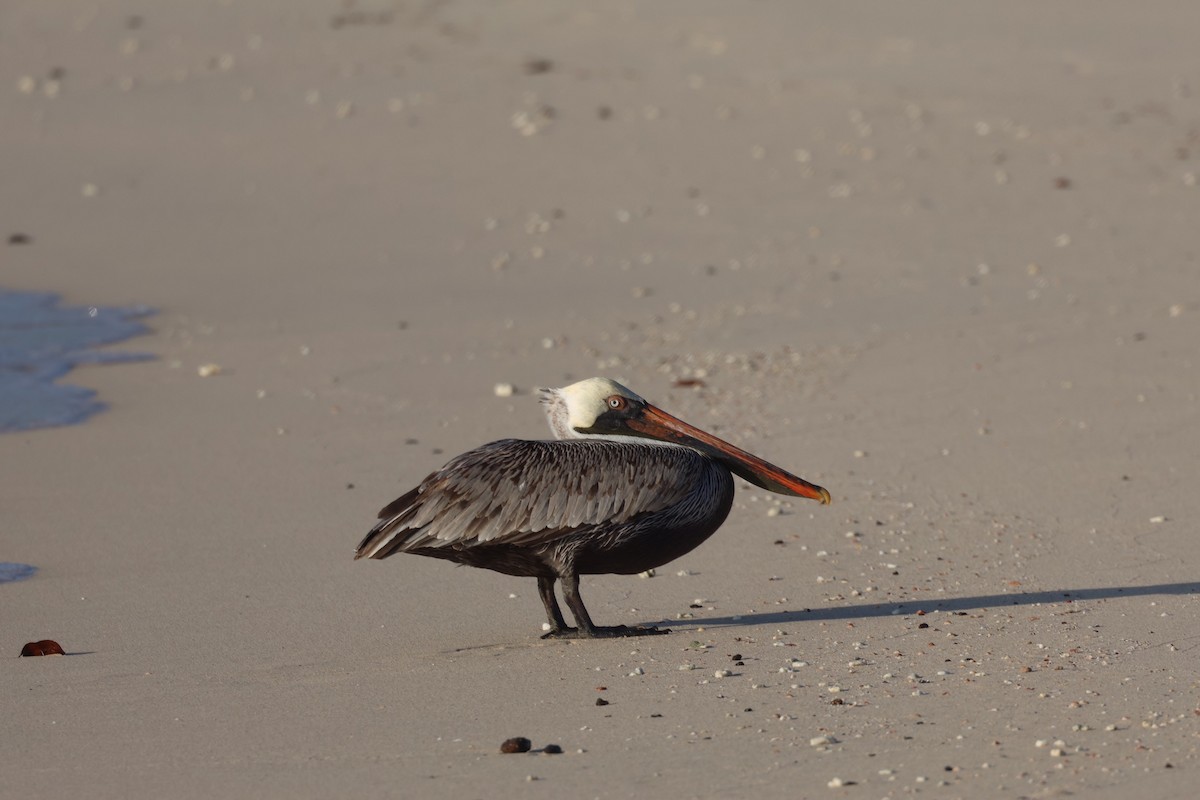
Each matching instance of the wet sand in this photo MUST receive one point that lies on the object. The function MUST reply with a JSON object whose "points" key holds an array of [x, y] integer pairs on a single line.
{"points": [[940, 260]]}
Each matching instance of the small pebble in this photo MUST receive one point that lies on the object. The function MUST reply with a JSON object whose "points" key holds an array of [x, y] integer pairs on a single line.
{"points": [[600, 701], [517, 744], [208, 370], [504, 390], [537, 66], [552, 749]]}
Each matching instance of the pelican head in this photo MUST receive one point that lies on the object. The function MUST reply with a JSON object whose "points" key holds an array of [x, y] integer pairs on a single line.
{"points": [[603, 408], [573, 410]]}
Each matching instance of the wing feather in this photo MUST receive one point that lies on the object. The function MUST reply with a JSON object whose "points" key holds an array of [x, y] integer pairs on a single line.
{"points": [[520, 492]]}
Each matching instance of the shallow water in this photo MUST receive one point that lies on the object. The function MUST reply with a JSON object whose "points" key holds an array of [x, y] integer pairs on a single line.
{"points": [[40, 341], [10, 571]]}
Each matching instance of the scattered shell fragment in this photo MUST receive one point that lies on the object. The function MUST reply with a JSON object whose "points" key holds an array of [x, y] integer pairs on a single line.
{"points": [[504, 390], [208, 370], [46, 647]]}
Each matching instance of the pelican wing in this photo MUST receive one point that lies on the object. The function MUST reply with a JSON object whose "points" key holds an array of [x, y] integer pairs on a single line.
{"points": [[520, 492]]}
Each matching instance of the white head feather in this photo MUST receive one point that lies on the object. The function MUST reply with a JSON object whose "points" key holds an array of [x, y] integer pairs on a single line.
{"points": [[577, 406]]}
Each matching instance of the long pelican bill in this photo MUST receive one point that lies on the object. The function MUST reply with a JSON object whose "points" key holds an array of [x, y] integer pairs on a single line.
{"points": [[654, 423]]}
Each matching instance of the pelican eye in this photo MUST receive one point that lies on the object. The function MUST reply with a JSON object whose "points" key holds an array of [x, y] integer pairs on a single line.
{"points": [[616, 402]]}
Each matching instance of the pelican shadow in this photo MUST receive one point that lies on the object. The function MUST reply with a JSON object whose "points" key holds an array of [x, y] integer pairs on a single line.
{"points": [[949, 604]]}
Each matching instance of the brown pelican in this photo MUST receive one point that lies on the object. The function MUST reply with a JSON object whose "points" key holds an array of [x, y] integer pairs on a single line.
{"points": [[625, 487]]}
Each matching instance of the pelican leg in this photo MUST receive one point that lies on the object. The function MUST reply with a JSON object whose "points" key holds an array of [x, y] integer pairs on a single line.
{"points": [[586, 629], [558, 625]]}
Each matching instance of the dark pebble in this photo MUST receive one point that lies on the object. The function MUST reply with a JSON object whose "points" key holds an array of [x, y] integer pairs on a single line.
{"points": [[552, 749], [837, 701], [19, 238], [923, 625], [517, 744], [538, 66], [600, 701], [46, 647], [736, 657]]}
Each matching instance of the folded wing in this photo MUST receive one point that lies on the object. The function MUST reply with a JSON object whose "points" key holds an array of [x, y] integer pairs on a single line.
{"points": [[523, 492]]}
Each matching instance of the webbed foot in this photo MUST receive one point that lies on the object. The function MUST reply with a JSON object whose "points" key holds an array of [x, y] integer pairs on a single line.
{"points": [[613, 632]]}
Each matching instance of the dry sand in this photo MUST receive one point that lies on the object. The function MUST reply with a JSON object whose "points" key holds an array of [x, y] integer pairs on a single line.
{"points": [[940, 258]]}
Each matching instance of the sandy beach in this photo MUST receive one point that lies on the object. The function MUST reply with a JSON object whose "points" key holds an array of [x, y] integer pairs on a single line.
{"points": [[940, 259]]}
